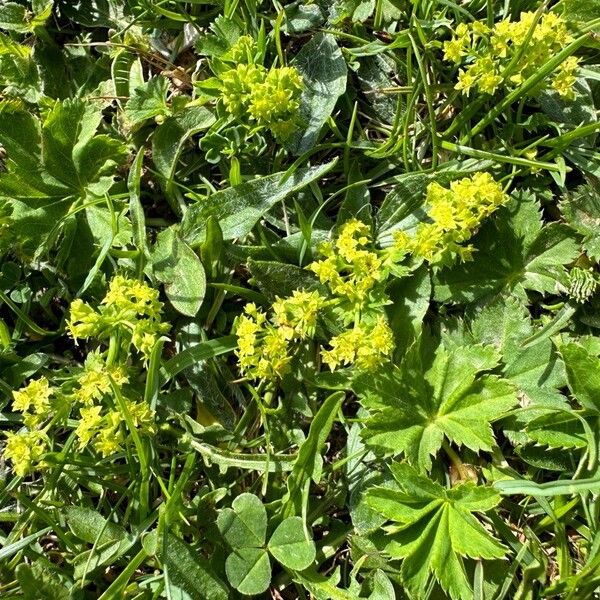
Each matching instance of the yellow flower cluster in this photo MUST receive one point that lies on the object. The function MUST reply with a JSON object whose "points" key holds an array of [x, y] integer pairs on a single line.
{"points": [[265, 98], [510, 53], [265, 348], [355, 273], [96, 424], [350, 269], [456, 213], [365, 346], [105, 431], [25, 450], [129, 306], [33, 401]]}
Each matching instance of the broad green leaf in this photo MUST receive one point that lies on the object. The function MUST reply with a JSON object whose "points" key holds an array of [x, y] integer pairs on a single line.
{"points": [[324, 73], [249, 570], [514, 253], [434, 529], [176, 265], [190, 571], [244, 525], [54, 164], [583, 374], [148, 101], [169, 140], [290, 546], [91, 527], [39, 583], [240, 207], [414, 408]]}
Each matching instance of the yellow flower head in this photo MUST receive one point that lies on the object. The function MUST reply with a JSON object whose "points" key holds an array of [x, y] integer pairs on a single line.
{"points": [[24, 450]]}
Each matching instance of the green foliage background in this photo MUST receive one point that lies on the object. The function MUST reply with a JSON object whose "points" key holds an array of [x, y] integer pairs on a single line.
{"points": [[467, 467]]}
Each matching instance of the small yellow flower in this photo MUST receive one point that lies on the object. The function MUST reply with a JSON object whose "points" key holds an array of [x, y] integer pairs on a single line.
{"points": [[89, 423], [84, 321], [24, 450]]}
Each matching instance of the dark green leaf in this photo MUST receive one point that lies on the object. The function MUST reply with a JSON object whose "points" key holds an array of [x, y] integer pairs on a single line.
{"points": [[176, 265], [240, 207]]}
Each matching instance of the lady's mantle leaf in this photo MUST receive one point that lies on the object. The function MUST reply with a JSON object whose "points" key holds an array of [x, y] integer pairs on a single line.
{"points": [[54, 163], [414, 408], [434, 528]]}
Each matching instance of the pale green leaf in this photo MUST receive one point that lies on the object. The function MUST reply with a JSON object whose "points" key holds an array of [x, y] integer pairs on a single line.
{"points": [[240, 207], [249, 570], [324, 73], [245, 524], [290, 546]]}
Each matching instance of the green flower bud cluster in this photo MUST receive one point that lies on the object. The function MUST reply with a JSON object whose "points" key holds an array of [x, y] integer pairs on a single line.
{"points": [[510, 52], [583, 283], [260, 97], [455, 213]]}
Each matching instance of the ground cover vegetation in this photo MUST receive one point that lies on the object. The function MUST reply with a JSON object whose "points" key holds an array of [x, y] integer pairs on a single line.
{"points": [[299, 299]]}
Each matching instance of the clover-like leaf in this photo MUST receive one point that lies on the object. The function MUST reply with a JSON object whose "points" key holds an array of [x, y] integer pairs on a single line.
{"points": [[245, 524], [290, 546], [249, 570], [434, 529]]}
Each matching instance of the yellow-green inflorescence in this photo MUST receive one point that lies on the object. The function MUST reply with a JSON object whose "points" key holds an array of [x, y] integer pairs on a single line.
{"points": [[351, 270], [130, 307], [131, 313], [355, 273], [455, 215], [510, 52], [261, 97]]}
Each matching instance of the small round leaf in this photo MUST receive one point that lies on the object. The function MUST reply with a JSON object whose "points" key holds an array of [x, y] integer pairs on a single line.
{"points": [[249, 570], [290, 546]]}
